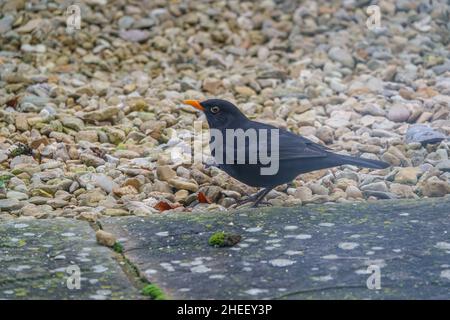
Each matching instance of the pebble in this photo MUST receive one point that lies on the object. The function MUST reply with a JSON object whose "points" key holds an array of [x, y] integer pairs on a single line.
{"points": [[105, 238], [10, 204], [398, 113], [407, 175], [341, 55], [423, 134], [434, 187]]}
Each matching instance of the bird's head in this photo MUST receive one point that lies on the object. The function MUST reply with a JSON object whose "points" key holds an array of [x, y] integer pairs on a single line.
{"points": [[219, 113]]}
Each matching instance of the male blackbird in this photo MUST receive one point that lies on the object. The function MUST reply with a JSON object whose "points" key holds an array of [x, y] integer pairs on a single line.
{"points": [[295, 154]]}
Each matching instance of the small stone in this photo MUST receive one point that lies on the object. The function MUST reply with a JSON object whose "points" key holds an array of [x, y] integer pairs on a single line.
{"points": [[326, 134], [115, 136], [22, 160], [16, 195], [319, 189], [407, 175], [303, 193], [57, 203], [87, 135], [38, 48], [10, 204], [6, 24], [212, 85], [21, 122], [444, 165], [213, 193], [342, 56], [403, 191], [30, 25], [339, 119], [105, 182], [3, 156], [104, 114], [245, 91], [115, 212], [181, 195], [125, 22], [134, 35], [72, 123], [306, 118], [105, 238], [423, 134], [398, 113], [434, 187], [91, 160], [165, 173], [223, 239], [123, 191], [375, 186], [180, 184], [353, 192], [161, 186], [129, 88]]}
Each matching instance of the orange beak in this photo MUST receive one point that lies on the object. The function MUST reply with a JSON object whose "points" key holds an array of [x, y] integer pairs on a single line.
{"points": [[195, 103]]}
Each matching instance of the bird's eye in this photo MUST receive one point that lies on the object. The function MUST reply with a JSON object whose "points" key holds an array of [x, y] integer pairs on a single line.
{"points": [[215, 109]]}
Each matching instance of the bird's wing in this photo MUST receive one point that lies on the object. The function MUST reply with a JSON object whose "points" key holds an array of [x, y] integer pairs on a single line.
{"points": [[292, 146]]}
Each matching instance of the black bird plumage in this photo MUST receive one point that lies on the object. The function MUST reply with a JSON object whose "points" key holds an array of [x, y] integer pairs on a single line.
{"points": [[297, 154]]}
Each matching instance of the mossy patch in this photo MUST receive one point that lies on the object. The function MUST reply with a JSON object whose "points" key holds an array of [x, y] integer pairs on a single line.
{"points": [[118, 247], [121, 146], [154, 292], [21, 149], [4, 180], [223, 239]]}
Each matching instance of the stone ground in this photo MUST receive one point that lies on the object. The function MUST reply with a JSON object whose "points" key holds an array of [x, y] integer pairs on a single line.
{"points": [[312, 252], [34, 257]]}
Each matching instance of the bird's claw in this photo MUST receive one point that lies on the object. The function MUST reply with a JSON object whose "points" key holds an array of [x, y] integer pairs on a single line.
{"points": [[250, 199], [255, 205]]}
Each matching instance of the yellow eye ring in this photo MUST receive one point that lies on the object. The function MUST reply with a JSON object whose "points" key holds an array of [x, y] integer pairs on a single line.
{"points": [[215, 109]]}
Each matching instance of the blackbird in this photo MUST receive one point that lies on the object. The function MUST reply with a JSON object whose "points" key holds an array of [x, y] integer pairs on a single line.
{"points": [[293, 153]]}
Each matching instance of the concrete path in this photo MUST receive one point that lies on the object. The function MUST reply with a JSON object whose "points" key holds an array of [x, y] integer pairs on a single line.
{"points": [[320, 252], [37, 257], [317, 252]]}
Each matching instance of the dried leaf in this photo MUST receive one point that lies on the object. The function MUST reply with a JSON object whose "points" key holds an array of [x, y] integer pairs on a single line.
{"points": [[202, 198], [13, 102], [163, 206]]}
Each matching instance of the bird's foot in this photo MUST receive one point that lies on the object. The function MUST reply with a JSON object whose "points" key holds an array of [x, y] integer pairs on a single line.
{"points": [[256, 204], [246, 200]]}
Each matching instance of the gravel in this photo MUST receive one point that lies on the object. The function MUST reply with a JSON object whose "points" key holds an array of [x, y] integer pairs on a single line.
{"points": [[90, 121]]}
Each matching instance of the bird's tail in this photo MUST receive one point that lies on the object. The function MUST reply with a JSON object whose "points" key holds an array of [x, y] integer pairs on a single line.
{"points": [[362, 162]]}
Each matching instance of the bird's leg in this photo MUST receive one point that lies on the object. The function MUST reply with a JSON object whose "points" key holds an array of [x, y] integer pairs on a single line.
{"points": [[261, 197], [251, 198]]}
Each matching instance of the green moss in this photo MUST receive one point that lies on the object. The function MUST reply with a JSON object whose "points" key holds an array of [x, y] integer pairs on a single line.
{"points": [[4, 180], [21, 292], [217, 239], [154, 292], [121, 146], [21, 243], [118, 247], [21, 149], [223, 239]]}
